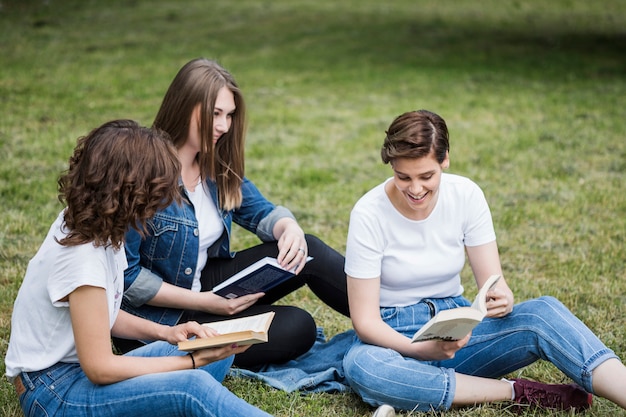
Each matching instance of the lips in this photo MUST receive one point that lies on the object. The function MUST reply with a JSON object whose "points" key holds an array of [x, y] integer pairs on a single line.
{"points": [[418, 198]]}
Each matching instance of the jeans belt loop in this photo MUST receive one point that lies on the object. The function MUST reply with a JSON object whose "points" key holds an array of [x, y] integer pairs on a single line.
{"points": [[431, 307]]}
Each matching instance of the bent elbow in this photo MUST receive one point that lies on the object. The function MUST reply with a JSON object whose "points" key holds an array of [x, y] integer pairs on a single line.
{"points": [[100, 378], [102, 372]]}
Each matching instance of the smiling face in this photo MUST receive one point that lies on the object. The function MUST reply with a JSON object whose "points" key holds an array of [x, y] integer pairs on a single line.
{"points": [[415, 185], [223, 112]]}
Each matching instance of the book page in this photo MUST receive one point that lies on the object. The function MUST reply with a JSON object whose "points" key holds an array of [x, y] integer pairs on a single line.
{"points": [[452, 324], [481, 299], [257, 323]]}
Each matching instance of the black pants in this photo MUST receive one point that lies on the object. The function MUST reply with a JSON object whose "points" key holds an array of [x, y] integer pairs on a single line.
{"points": [[293, 330]]}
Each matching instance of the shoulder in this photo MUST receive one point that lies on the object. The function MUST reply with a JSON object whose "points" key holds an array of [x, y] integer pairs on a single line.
{"points": [[459, 186], [456, 180], [249, 190], [370, 211]]}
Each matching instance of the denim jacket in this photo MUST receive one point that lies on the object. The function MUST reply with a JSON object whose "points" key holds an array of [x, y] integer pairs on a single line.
{"points": [[169, 251]]}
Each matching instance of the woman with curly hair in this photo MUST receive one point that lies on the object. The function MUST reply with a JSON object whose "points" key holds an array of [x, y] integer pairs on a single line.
{"points": [[60, 358]]}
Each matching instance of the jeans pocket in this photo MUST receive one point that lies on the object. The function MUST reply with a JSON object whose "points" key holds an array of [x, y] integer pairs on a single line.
{"points": [[388, 313], [36, 410]]}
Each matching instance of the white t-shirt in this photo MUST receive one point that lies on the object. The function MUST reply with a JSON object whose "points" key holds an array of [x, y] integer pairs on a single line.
{"points": [[417, 259], [210, 227], [41, 328]]}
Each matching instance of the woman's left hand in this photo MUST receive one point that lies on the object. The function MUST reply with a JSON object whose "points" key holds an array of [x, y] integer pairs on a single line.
{"points": [[499, 301], [292, 247]]}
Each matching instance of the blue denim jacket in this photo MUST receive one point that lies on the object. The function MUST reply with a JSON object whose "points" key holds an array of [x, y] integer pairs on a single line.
{"points": [[169, 252]]}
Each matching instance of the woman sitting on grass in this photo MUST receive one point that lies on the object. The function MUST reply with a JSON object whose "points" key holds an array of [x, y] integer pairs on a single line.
{"points": [[186, 250], [60, 357], [407, 242]]}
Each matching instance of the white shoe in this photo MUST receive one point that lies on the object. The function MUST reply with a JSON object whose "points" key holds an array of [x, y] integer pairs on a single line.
{"points": [[384, 411]]}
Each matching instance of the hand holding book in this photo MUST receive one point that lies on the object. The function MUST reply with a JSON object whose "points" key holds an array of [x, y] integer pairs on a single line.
{"points": [[242, 331], [261, 276], [456, 323]]}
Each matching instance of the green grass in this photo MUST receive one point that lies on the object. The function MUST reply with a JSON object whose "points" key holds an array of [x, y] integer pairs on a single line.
{"points": [[533, 93]]}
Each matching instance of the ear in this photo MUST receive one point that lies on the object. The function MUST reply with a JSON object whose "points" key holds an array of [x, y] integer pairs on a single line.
{"points": [[446, 162]]}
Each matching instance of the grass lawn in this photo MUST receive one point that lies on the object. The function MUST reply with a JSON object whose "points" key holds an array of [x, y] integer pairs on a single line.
{"points": [[533, 93]]}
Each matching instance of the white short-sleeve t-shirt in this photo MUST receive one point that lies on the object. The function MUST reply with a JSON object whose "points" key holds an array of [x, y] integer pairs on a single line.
{"points": [[41, 329], [417, 259]]}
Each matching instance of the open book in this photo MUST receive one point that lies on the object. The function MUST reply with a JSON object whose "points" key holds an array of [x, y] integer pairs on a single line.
{"points": [[242, 331], [258, 277], [456, 323]]}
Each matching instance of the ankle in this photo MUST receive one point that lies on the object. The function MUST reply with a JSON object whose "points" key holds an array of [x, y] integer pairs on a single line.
{"points": [[512, 384]]}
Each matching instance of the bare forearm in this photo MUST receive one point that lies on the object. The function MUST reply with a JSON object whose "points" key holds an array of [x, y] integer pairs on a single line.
{"points": [[119, 368], [284, 224], [128, 326], [172, 296], [380, 334]]}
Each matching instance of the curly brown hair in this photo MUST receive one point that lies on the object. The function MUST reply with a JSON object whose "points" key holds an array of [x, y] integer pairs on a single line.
{"points": [[119, 176]]}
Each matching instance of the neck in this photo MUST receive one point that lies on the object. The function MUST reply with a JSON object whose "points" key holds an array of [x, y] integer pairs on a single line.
{"points": [[190, 169]]}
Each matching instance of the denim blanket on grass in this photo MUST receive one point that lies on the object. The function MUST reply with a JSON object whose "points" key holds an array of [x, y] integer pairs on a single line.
{"points": [[318, 370]]}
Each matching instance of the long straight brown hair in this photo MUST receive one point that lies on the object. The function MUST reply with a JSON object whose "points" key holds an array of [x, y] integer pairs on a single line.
{"points": [[198, 83]]}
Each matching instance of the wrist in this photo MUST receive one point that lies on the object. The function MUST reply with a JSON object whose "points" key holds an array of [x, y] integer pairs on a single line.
{"points": [[162, 332], [206, 301]]}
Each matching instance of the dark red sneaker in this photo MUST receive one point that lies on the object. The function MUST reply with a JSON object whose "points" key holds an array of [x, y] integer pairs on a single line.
{"points": [[562, 397]]}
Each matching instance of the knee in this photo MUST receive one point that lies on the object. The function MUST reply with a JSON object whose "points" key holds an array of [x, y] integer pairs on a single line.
{"points": [[295, 325], [313, 243], [361, 361], [546, 306], [367, 375], [326, 260]]}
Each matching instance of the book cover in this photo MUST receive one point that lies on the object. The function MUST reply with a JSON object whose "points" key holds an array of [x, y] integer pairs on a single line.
{"points": [[261, 276]]}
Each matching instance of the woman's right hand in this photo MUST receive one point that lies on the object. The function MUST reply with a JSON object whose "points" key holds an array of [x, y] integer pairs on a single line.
{"points": [[205, 356], [437, 350], [216, 304]]}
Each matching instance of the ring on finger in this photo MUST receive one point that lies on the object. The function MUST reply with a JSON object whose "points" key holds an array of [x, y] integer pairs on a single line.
{"points": [[301, 250]]}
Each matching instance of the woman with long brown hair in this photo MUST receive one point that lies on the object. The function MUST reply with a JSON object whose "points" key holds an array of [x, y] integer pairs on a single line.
{"points": [[186, 249]]}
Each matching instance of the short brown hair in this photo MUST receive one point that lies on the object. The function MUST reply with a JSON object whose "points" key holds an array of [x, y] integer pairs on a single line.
{"points": [[416, 134], [118, 177]]}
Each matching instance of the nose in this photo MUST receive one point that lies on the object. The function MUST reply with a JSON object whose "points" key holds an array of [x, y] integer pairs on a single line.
{"points": [[220, 124], [416, 187]]}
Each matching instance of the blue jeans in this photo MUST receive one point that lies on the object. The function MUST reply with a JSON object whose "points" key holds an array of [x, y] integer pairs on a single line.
{"points": [[64, 390], [541, 328]]}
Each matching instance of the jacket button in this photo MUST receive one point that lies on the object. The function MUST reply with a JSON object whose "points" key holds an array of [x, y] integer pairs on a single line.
{"points": [[196, 232], [188, 271]]}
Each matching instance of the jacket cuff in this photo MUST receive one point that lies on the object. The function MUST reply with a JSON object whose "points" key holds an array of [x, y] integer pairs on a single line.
{"points": [[265, 229], [143, 289]]}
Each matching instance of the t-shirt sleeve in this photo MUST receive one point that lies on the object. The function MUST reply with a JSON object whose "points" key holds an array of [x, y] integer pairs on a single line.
{"points": [[76, 266], [364, 247], [478, 228]]}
